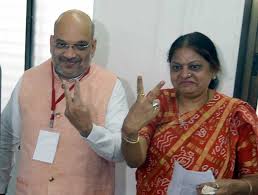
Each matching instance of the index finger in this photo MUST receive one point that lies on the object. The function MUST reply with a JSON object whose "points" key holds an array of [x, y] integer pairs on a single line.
{"points": [[140, 88], [77, 91], [68, 96]]}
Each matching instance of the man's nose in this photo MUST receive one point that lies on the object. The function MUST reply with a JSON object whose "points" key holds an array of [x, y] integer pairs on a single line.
{"points": [[70, 52]]}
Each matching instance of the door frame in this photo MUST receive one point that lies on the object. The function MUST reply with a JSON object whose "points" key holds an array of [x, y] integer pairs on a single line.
{"points": [[246, 82]]}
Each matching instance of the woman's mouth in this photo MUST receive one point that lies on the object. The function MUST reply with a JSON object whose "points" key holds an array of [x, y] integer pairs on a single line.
{"points": [[186, 83]]}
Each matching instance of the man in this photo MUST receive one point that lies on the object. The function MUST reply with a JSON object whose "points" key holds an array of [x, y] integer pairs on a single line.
{"points": [[65, 115]]}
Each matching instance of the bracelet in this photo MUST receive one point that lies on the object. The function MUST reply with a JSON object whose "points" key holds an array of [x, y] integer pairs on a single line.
{"points": [[128, 140], [250, 186]]}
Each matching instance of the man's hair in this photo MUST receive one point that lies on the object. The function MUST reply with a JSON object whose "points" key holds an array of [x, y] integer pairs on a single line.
{"points": [[77, 12]]}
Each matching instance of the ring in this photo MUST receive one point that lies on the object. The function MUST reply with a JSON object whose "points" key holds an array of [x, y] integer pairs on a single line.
{"points": [[208, 190], [217, 185], [141, 94], [155, 104]]}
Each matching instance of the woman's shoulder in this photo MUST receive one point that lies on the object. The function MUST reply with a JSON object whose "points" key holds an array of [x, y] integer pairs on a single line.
{"points": [[242, 110], [232, 100]]}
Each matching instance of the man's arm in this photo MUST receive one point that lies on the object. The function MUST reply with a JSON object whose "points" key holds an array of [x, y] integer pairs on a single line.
{"points": [[9, 138], [106, 141]]}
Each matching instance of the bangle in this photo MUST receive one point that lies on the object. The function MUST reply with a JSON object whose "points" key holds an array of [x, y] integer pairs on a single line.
{"points": [[250, 186], [131, 141]]}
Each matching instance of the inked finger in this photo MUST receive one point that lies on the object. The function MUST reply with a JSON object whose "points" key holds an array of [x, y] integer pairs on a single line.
{"points": [[140, 88], [77, 92], [68, 96]]}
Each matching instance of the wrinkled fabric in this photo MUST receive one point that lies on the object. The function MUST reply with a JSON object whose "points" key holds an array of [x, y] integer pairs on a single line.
{"points": [[220, 136], [76, 169]]}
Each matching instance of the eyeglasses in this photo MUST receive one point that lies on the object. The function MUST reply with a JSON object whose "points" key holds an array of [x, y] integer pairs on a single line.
{"points": [[80, 46]]}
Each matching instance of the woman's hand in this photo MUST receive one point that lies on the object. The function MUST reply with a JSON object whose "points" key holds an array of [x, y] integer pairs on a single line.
{"points": [[143, 110], [225, 187]]}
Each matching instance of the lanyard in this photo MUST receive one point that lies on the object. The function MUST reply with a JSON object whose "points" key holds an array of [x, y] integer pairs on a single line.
{"points": [[54, 102]]}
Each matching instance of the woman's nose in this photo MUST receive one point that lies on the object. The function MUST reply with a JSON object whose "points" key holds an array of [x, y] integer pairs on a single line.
{"points": [[185, 73]]}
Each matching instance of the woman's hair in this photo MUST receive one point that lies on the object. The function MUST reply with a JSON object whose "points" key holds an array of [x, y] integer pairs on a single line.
{"points": [[202, 45]]}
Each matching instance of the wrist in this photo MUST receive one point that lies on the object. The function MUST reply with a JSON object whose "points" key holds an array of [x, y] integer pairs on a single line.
{"points": [[248, 185], [129, 130], [131, 136], [86, 133], [132, 139]]}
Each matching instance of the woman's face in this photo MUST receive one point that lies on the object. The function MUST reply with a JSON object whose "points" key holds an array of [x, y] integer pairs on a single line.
{"points": [[190, 73]]}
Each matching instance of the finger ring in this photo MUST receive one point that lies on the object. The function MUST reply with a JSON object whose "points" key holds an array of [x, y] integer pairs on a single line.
{"points": [[208, 190], [142, 94], [155, 104]]}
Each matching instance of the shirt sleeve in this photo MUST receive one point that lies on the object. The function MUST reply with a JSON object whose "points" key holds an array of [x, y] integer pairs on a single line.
{"points": [[106, 141], [9, 138]]}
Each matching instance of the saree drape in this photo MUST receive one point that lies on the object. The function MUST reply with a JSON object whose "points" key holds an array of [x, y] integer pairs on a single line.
{"points": [[220, 136]]}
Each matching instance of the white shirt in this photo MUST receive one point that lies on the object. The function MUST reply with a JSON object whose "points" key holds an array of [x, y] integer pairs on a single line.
{"points": [[105, 141]]}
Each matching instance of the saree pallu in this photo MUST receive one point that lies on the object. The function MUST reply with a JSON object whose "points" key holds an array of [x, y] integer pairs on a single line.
{"points": [[220, 136]]}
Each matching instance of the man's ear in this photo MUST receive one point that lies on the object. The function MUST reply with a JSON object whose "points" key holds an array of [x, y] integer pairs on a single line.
{"points": [[93, 47], [51, 42]]}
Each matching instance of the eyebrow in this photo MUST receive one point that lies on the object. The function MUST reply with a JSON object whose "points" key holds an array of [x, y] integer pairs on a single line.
{"points": [[191, 62], [80, 41]]}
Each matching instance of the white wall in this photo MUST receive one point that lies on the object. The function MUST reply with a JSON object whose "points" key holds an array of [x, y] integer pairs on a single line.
{"points": [[134, 37], [12, 47], [46, 12]]}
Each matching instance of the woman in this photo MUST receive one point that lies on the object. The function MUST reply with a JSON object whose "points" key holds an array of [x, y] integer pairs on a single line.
{"points": [[192, 124]]}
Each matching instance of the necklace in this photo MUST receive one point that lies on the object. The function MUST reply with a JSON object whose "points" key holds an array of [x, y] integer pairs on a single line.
{"points": [[181, 119]]}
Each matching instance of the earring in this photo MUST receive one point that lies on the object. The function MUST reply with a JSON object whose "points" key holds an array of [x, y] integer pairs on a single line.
{"points": [[214, 77]]}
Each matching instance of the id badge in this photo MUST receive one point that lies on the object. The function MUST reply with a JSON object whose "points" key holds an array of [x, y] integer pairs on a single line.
{"points": [[46, 146]]}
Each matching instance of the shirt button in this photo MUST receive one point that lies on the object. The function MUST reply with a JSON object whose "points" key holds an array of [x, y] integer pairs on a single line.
{"points": [[51, 179]]}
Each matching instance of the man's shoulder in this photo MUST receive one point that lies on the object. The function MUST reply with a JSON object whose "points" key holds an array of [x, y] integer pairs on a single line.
{"points": [[99, 69], [38, 72], [43, 66]]}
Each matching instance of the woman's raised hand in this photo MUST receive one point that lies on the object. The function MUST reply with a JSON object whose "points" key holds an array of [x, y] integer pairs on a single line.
{"points": [[143, 110]]}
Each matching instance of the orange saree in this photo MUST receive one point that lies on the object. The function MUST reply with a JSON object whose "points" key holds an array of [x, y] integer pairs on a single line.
{"points": [[220, 136]]}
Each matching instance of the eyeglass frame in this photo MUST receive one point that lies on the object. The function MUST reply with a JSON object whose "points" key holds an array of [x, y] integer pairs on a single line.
{"points": [[75, 46]]}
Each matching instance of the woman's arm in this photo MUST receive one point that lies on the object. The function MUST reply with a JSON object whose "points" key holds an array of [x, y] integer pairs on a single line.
{"points": [[134, 152], [134, 147], [252, 182]]}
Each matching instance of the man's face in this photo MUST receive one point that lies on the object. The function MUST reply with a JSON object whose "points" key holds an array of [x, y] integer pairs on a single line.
{"points": [[72, 48]]}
